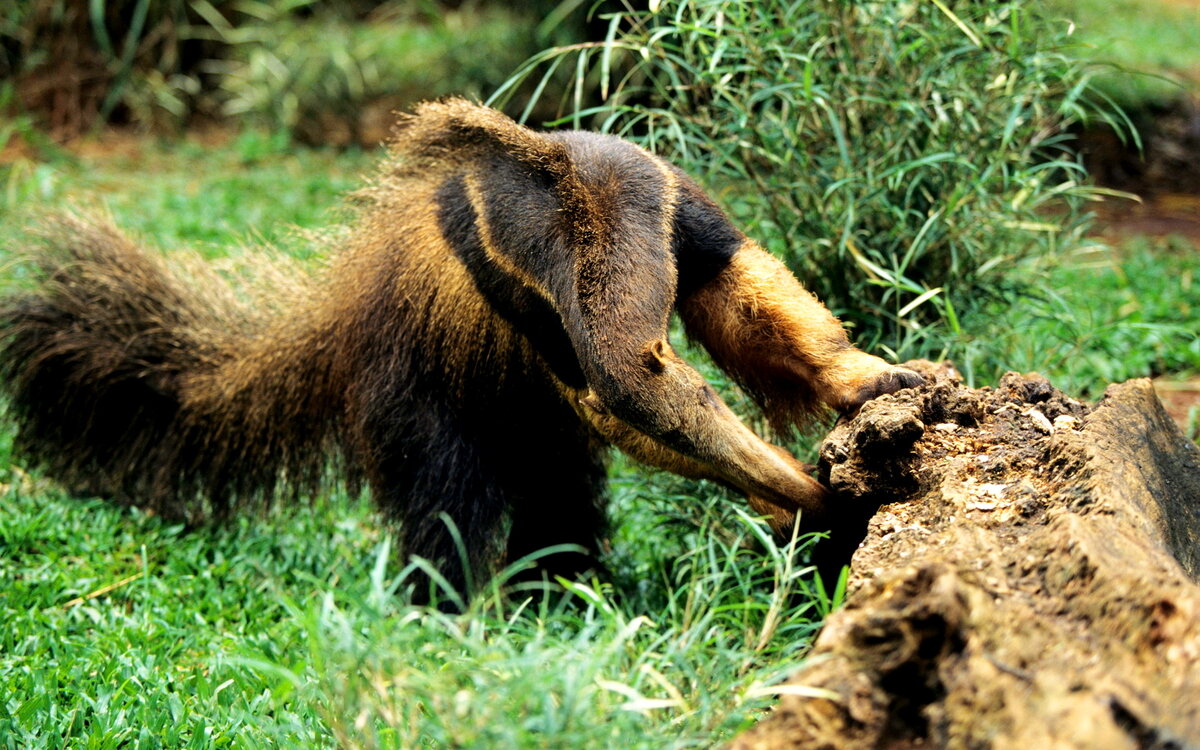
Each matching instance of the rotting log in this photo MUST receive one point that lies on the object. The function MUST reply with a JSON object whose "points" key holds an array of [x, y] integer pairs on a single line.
{"points": [[1027, 579]]}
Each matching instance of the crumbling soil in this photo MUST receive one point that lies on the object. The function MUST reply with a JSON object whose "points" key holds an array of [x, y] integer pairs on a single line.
{"points": [[1024, 576]]}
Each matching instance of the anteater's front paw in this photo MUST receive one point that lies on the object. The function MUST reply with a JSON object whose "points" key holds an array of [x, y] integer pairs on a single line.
{"points": [[889, 381]]}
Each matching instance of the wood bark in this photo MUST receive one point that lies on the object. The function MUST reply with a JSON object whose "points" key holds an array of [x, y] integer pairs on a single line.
{"points": [[1027, 579]]}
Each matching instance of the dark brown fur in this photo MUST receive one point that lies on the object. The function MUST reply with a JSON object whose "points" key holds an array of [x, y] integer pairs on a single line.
{"points": [[498, 315]]}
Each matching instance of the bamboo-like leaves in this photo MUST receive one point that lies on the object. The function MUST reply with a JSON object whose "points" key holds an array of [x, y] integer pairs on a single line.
{"points": [[901, 156]]}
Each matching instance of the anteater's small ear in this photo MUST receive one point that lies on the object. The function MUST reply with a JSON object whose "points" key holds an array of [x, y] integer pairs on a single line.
{"points": [[455, 131]]}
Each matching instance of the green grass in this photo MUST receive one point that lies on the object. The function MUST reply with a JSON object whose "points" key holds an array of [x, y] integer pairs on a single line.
{"points": [[247, 190], [1152, 46], [121, 630], [287, 631], [153, 663], [1100, 316]]}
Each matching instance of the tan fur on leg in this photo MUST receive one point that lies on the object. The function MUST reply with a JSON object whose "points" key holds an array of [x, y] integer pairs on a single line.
{"points": [[781, 344]]}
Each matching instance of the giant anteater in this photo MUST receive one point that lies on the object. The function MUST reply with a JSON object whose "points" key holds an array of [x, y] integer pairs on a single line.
{"points": [[494, 320]]}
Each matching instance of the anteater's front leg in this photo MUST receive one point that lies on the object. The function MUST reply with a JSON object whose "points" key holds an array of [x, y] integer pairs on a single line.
{"points": [[779, 342]]}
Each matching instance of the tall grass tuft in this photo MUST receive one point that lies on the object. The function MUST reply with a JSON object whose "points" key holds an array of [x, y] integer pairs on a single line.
{"points": [[688, 660], [75, 64], [903, 157], [328, 80]]}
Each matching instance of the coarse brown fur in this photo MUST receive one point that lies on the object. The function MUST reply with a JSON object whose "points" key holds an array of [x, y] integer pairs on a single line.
{"points": [[497, 316]]}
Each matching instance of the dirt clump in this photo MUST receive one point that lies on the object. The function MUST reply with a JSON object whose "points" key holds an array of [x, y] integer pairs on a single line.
{"points": [[1025, 576]]}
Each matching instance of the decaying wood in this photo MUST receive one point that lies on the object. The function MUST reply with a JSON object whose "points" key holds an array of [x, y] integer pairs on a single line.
{"points": [[1029, 581]]}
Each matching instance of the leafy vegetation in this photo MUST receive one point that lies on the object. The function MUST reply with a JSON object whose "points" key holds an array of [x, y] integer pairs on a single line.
{"points": [[902, 156], [1150, 51], [74, 64], [330, 81], [313, 68]]}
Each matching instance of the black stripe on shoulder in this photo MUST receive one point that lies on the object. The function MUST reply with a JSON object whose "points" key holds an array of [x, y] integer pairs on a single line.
{"points": [[529, 313], [704, 240]]}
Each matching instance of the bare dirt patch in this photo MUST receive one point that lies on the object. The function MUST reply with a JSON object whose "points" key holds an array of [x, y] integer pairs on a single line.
{"points": [[1181, 399], [1162, 215]]}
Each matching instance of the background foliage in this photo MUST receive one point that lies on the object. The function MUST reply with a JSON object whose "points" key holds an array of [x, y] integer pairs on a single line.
{"points": [[903, 157], [315, 68], [73, 64], [1149, 52], [332, 81]]}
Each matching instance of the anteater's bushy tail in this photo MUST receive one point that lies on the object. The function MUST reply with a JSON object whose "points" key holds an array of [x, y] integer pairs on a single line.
{"points": [[154, 381]]}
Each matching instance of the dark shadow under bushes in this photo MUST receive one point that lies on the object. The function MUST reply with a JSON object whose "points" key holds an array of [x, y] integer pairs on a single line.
{"points": [[328, 72], [75, 64]]}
